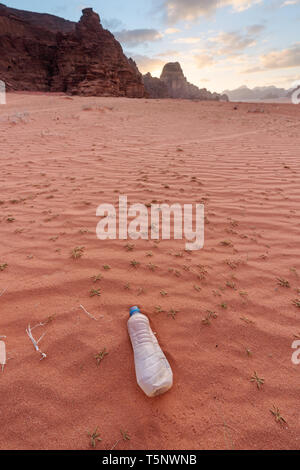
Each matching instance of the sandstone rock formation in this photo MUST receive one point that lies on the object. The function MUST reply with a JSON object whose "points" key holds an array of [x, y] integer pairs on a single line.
{"points": [[155, 87], [173, 84], [47, 53]]}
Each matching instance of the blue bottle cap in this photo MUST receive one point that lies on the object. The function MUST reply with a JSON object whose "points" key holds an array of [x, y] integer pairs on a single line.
{"points": [[134, 310]]}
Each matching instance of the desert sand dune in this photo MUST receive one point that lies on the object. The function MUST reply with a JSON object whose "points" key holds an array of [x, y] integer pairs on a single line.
{"points": [[221, 314]]}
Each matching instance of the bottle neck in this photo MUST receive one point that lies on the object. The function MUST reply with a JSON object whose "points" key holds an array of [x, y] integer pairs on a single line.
{"points": [[134, 310]]}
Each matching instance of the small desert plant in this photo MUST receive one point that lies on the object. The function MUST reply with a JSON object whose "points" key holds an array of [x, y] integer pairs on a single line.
{"points": [[233, 223], [246, 320], [294, 271], [278, 418], [100, 356], [210, 315], [173, 313], [107, 267], [129, 246], [226, 243], [259, 381], [296, 302], [95, 292], [95, 437], [152, 267], [3, 266], [96, 278], [135, 263], [125, 437], [283, 282], [231, 284], [243, 293], [159, 309], [232, 264], [49, 319], [216, 293], [77, 252]]}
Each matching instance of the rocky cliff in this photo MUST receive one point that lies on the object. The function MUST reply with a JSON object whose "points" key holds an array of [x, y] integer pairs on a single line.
{"points": [[46, 53], [155, 87], [173, 84]]}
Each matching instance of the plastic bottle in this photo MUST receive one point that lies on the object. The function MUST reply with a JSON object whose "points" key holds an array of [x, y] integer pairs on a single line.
{"points": [[153, 372]]}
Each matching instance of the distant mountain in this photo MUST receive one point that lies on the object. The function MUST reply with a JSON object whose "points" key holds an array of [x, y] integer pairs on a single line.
{"points": [[244, 93], [173, 84]]}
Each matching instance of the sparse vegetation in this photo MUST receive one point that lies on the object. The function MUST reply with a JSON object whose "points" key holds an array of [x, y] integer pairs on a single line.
{"points": [[77, 252], [243, 294], [100, 356], [125, 437], [277, 415], [246, 320], [173, 313], [231, 284], [294, 271], [158, 309], [226, 243], [49, 319], [135, 263], [209, 316], [283, 282], [258, 380], [296, 302], [129, 246], [152, 267], [95, 292], [94, 438]]}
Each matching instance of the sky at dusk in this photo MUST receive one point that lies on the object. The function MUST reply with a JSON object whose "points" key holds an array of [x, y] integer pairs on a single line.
{"points": [[220, 44]]}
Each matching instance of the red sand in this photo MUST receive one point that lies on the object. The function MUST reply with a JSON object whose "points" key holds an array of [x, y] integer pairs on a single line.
{"points": [[62, 160]]}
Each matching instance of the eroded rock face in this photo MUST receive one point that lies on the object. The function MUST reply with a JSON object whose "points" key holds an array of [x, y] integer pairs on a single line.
{"points": [[77, 58], [155, 87], [173, 84]]}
